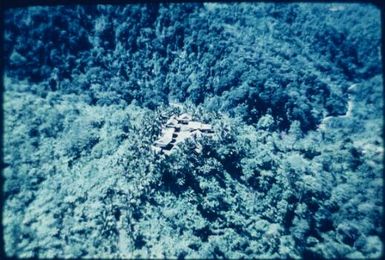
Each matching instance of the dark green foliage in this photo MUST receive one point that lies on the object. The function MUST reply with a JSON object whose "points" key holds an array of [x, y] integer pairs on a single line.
{"points": [[294, 95]]}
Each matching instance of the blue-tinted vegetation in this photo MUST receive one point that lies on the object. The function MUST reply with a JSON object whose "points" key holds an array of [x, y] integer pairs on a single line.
{"points": [[294, 93]]}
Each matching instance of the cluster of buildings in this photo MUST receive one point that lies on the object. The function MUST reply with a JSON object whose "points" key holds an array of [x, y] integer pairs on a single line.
{"points": [[178, 129]]}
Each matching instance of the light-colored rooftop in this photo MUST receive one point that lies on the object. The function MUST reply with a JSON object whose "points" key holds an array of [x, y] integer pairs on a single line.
{"points": [[177, 130], [166, 137]]}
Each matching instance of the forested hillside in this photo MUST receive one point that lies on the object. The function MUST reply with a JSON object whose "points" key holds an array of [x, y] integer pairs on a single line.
{"points": [[294, 93]]}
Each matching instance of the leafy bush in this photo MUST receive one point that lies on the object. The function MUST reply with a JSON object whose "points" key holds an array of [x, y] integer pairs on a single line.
{"points": [[293, 92]]}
